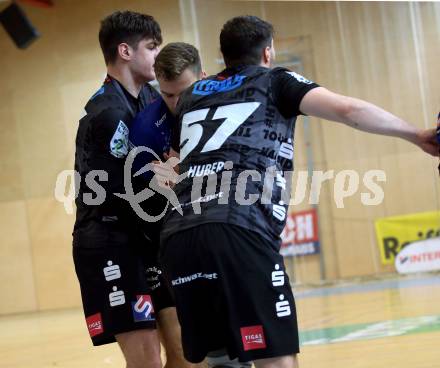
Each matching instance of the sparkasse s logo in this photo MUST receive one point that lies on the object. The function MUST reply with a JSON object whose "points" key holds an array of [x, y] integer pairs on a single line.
{"points": [[143, 308], [253, 337]]}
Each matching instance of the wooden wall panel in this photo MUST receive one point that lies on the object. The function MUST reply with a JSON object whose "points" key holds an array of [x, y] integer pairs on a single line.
{"points": [[355, 247], [50, 232], [17, 287], [11, 183], [412, 184]]}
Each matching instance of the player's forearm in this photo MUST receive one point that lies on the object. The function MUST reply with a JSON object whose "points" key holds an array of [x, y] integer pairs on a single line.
{"points": [[370, 118]]}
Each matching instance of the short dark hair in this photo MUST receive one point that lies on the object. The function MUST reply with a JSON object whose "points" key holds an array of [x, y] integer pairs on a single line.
{"points": [[129, 27], [175, 58], [243, 38]]}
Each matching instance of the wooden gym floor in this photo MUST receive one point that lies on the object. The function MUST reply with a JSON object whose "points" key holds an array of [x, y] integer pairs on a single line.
{"points": [[387, 323]]}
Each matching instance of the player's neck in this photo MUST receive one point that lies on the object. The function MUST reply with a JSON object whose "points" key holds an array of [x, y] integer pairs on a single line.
{"points": [[126, 78], [265, 63]]}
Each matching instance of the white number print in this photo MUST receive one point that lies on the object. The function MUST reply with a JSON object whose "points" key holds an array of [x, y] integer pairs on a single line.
{"points": [[192, 131]]}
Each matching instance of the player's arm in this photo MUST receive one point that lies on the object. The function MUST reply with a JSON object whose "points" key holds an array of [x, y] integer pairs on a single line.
{"points": [[110, 148], [174, 152], [167, 172], [362, 115], [110, 142]]}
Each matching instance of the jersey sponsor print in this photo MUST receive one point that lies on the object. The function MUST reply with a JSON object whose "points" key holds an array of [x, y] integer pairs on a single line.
{"points": [[94, 324], [143, 309], [253, 337]]}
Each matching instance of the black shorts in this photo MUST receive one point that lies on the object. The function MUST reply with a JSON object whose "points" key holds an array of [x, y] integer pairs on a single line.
{"points": [[122, 288], [231, 292]]}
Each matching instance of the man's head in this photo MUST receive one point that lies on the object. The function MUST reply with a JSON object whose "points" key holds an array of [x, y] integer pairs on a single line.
{"points": [[131, 39], [177, 67], [247, 40]]}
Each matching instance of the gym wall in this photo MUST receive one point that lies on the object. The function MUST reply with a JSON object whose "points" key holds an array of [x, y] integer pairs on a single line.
{"points": [[386, 53]]}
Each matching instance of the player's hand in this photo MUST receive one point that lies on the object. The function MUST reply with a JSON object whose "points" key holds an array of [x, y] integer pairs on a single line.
{"points": [[172, 155], [427, 141], [166, 172]]}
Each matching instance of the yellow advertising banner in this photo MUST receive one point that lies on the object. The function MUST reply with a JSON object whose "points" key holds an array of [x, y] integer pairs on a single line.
{"points": [[395, 233]]}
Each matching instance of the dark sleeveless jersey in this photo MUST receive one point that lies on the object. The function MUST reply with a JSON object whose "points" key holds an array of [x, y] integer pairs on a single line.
{"points": [[102, 143], [235, 137]]}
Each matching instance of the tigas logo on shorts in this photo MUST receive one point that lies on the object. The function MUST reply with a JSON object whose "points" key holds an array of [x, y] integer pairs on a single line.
{"points": [[253, 337], [94, 324]]}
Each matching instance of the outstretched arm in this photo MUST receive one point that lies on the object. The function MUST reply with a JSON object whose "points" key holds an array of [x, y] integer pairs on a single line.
{"points": [[362, 115]]}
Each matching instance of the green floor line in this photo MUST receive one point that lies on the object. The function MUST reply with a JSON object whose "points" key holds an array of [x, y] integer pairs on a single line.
{"points": [[373, 330]]}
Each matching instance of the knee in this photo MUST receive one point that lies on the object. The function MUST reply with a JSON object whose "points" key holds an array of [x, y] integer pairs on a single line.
{"points": [[295, 361], [174, 354], [147, 362], [141, 348], [286, 361], [177, 362], [144, 360], [154, 362], [220, 359]]}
